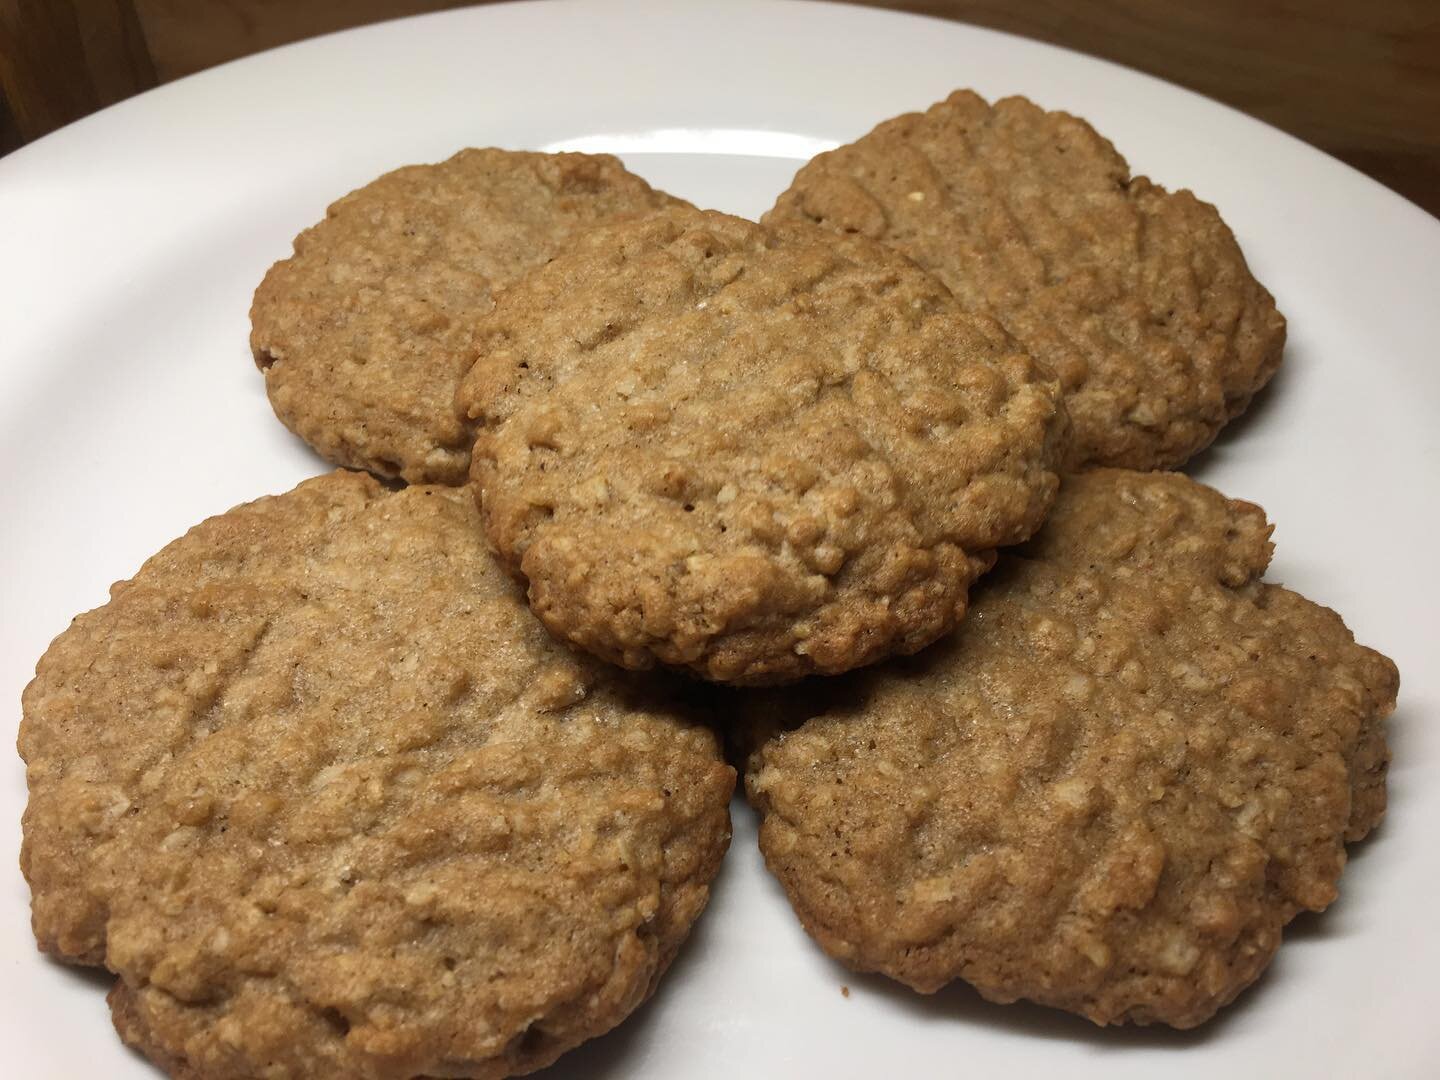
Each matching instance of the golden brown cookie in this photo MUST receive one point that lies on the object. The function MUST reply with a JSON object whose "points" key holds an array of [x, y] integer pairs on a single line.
{"points": [[364, 333], [1109, 791], [329, 801], [753, 452], [1138, 298]]}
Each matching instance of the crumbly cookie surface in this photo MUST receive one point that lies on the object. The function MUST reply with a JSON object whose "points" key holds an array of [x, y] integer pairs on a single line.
{"points": [[1109, 791], [756, 453], [329, 801], [1139, 299], [365, 332]]}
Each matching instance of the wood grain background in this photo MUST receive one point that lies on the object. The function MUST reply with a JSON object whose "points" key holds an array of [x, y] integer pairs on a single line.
{"points": [[1357, 78]]}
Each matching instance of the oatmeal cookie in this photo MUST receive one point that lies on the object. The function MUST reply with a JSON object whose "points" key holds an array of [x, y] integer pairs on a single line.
{"points": [[364, 333], [326, 798], [1138, 298], [753, 452], [1109, 791]]}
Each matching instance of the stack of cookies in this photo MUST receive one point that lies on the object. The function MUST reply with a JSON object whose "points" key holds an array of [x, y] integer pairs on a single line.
{"points": [[420, 769]]}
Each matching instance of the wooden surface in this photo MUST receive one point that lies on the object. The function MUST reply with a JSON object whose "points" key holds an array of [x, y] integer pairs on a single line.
{"points": [[1358, 78], [63, 59]]}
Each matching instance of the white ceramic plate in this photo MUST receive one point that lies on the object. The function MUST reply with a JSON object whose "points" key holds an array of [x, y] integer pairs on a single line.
{"points": [[129, 409]]}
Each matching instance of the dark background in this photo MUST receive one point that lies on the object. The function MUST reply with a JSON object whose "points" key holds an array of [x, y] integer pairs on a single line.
{"points": [[1358, 78]]}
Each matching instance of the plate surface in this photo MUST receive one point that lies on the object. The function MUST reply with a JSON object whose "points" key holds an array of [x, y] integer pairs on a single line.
{"points": [[129, 409]]}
